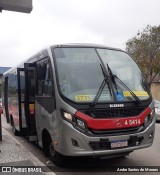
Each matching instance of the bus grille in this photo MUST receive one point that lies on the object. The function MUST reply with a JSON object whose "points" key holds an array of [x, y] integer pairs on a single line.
{"points": [[114, 113], [118, 131]]}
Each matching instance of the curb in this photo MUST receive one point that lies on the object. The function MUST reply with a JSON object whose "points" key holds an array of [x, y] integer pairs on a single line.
{"points": [[34, 159]]}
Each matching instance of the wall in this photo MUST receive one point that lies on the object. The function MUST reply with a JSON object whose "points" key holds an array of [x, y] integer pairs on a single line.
{"points": [[155, 90]]}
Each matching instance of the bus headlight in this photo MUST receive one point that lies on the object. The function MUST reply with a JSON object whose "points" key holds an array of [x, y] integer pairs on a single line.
{"points": [[149, 118], [81, 123], [76, 122], [152, 112], [68, 116], [146, 121]]}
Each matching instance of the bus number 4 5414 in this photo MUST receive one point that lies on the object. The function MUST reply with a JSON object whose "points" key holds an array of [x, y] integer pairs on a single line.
{"points": [[133, 122]]}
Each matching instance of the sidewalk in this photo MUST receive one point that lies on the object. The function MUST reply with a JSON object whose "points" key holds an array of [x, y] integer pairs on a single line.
{"points": [[13, 153]]}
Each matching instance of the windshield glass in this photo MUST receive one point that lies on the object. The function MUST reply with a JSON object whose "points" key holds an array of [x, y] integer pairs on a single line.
{"points": [[127, 71], [80, 74]]}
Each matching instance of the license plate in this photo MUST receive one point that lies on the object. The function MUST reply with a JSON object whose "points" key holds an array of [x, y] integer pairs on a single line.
{"points": [[119, 144]]}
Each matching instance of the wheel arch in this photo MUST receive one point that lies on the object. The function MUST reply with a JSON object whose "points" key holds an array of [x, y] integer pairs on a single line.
{"points": [[45, 140]]}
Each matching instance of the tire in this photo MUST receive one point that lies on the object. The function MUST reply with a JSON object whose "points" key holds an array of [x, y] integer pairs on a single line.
{"points": [[57, 158], [15, 132]]}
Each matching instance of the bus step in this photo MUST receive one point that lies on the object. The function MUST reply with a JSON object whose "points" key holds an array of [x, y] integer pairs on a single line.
{"points": [[32, 138]]}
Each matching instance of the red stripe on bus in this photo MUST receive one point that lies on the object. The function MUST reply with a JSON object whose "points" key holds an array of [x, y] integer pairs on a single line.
{"points": [[114, 123]]}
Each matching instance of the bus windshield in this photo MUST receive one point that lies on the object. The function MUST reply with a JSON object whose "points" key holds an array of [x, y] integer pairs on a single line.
{"points": [[80, 75]]}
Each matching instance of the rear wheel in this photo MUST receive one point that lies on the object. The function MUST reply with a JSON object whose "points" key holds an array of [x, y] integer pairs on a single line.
{"points": [[16, 133]]}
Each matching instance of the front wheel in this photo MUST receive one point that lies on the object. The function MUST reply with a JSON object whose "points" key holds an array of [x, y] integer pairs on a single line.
{"points": [[57, 158]]}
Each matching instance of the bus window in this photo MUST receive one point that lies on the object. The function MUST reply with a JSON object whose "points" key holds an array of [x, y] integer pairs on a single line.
{"points": [[44, 78]]}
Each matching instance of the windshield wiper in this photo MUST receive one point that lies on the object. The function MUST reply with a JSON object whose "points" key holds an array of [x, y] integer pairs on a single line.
{"points": [[113, 77], [105, 80]]}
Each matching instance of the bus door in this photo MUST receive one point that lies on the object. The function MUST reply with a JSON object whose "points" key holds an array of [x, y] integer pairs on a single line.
{"points": [[21, 99], [5, 89], [30, 71]]}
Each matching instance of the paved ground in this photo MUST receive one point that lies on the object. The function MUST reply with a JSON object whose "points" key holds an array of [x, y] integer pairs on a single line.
{"points": [[13, 153], [20, 152]]}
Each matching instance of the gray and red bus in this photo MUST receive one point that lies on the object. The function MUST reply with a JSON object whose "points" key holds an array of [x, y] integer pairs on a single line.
{"points": [[80, 100]]}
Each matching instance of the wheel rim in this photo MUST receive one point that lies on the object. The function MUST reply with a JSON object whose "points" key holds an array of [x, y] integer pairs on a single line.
{"points": [[51, 149]]}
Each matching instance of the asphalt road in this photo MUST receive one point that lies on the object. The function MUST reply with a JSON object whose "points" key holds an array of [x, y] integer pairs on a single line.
{"points": [[144, 157]]}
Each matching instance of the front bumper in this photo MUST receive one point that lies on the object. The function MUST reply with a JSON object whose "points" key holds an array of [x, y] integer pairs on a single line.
{"points": [[74, 143]]}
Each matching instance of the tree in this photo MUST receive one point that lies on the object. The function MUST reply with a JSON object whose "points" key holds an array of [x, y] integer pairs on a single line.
{"points": [[145, 49]]}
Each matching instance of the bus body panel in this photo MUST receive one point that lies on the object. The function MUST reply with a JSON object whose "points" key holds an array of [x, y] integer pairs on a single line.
{"points": [[44, 121], [48, 110], [85, 149]]}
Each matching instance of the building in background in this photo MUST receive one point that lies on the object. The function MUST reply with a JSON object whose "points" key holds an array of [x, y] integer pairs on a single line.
{"points": [[155, 88], [2, 70]]}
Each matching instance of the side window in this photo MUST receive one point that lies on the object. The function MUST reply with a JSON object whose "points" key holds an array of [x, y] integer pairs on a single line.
{"points": [[44, 78]]}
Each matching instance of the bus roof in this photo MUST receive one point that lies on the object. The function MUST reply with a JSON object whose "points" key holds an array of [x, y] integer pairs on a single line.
{"points": [[89, 45], [84, 45]]}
